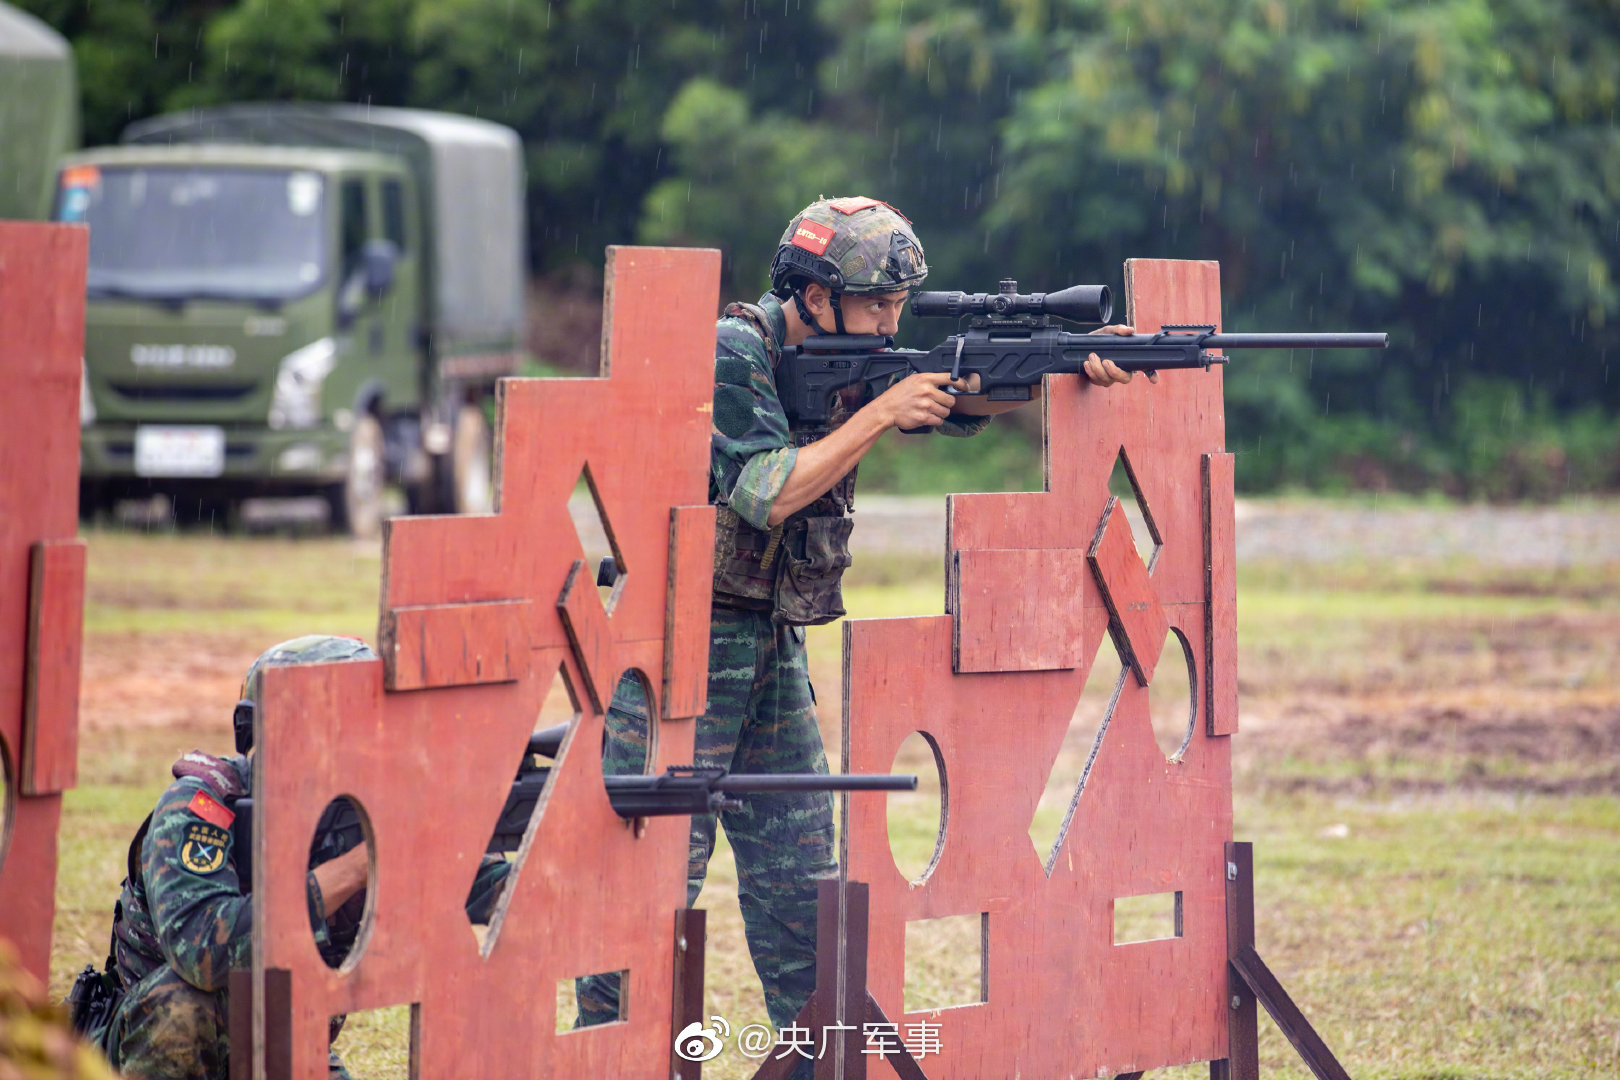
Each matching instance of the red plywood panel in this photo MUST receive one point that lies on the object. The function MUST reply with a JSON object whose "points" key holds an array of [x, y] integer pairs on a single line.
{"points": [[1221, 557], [691, 588], [50, 739], [1021, 610], [1063, 999], [432, 767], [41, 343], [1137, 621], [454, 644]]}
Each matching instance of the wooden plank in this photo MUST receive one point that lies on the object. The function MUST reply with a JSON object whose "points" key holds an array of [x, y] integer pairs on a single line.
{"points": [[278, 1024], [239, 1022], [1243, 1054], [42, 271], [1220, 621], [1136, 619], [852, 993], [1140, 824], [686, 1005], [904, 1065], [1312, 1050], [686, 622], [432, 767], [50, 738], [588, 632], [454, 644], [1022, 610]]}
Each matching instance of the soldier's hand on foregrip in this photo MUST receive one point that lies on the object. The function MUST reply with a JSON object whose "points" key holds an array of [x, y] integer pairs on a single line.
{"points": [[1106, 372], [919, 401]]}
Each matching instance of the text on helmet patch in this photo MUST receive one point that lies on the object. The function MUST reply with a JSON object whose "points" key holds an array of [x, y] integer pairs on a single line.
{"points": [[812, 237]]}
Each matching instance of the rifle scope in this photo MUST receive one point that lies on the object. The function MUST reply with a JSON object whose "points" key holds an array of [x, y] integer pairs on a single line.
{"points": [[1078, 303]]}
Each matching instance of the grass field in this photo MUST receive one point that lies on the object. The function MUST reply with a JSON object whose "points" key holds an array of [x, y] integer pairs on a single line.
{"points": [[1428, 767]]}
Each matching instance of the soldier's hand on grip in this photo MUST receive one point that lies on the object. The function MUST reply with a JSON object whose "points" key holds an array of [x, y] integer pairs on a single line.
{"points": [[919, 400]]}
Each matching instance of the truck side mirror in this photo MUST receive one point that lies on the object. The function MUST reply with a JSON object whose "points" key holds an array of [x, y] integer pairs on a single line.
{"points": [[377, 262]]}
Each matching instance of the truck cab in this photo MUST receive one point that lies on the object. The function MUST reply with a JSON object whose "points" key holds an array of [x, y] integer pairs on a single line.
{"points": [[269, 319]]}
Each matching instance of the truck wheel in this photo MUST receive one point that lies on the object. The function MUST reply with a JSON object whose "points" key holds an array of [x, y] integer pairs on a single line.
{"points": [[357, 503], [472, 489]]}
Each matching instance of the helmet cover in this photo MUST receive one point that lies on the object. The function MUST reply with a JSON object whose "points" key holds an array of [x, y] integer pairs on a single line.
{"points": [[853, 244]]}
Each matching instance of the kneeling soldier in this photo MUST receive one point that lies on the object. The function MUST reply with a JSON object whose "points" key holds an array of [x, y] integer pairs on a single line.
{"points": [[184, 921]]}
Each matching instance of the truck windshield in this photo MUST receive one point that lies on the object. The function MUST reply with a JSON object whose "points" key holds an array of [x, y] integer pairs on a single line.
{"points": [[199, 232]]}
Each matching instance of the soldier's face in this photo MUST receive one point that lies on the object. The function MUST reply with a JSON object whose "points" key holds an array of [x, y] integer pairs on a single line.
{"points": [[873, 313], [864, 313]]}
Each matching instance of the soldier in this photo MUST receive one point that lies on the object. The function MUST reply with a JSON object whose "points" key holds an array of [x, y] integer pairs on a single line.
{"points": [[784, 495], [183, 921]]}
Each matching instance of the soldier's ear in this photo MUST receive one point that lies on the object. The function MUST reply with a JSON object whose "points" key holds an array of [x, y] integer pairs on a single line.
{"points": [[816, 297]]}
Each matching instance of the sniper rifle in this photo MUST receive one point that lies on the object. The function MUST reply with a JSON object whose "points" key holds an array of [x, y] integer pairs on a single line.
{"points": [[1012, 341]]}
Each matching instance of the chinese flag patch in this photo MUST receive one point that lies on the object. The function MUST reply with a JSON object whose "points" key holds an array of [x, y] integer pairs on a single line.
{"points": [[211, 810], [813, 237], [852, 204]]}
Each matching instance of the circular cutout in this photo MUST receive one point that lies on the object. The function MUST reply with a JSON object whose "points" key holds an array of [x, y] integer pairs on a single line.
{"points": [[342, 858], [917, 818], [1173, 697]]}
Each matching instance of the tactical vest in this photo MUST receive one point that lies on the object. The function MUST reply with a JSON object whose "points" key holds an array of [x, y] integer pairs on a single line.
{"points": [[794, 570]]}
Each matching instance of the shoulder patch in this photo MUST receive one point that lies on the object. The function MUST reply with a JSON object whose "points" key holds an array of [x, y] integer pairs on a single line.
{"points": [[812, 237], [211, 810], [733, 411], [203, 851]]}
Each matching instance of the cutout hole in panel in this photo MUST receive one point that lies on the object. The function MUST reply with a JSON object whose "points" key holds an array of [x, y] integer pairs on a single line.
{"points": [[630, 735], [947, 962], [1173, 697], [592, 988], [917, 818], [604, 563], [1066, 779], [8, 792], [342, 857], [377, 1043], [1122, 483], [1150, 917], [527, 789]]}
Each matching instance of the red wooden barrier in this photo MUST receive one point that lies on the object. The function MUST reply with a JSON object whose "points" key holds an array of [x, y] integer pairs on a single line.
{"points": [[1035, 581], [41, 565], [479, 616]]}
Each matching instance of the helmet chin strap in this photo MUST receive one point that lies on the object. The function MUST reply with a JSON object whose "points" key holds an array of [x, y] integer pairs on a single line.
{"points": [[810, 321]]}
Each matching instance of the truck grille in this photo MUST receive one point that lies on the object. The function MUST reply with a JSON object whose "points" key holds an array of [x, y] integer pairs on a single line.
{"points": [[162, 392]]}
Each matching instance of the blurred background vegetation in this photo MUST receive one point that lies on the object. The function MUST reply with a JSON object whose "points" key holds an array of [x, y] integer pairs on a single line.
{"points": [[1402, 165]]}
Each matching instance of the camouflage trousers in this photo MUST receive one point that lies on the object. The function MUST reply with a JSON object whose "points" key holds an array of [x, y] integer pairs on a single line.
{"points": [[761, 719], [167, 1029]]}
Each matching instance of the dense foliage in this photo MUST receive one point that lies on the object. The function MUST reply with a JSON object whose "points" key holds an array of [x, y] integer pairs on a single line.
{"points": [[1445, 170]]}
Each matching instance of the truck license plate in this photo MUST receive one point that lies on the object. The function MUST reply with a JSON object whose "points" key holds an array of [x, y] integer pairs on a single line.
{"points": [[179, 451]]}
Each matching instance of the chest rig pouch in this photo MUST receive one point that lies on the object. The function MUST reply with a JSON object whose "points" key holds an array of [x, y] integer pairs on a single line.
{"points": [[794, 570]]}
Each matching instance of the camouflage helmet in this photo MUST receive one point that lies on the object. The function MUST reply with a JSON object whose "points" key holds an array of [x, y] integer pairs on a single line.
{"points": [[854, 244], [309, 649]]}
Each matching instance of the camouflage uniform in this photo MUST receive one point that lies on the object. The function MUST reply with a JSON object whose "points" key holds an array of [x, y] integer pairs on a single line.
{"points": [[182, 921], [761, 718]]}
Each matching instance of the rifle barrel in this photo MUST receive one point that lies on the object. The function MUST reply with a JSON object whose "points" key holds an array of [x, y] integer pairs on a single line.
{"points": [[1294, 341], [749, 782]]}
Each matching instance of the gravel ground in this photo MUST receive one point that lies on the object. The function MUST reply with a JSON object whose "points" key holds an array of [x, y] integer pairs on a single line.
{"points": [[1329, 532]]}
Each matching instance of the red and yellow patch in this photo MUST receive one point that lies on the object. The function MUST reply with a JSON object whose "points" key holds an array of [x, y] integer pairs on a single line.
{"points": [[211, 810], [812, 237]]}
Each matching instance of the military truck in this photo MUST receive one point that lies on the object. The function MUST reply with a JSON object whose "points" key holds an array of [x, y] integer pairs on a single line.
{"points": [[39, 112], [297, 299]]}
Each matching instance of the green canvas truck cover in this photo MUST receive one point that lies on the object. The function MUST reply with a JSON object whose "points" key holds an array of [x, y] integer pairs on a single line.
{"points": [[39, 112], [470, 175]]}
